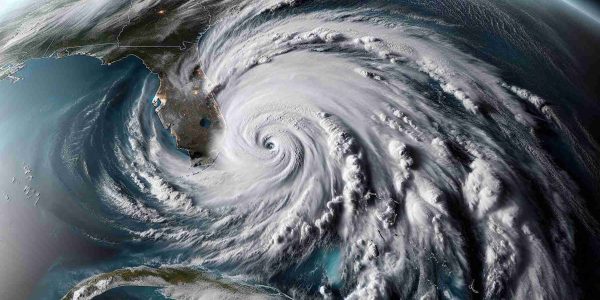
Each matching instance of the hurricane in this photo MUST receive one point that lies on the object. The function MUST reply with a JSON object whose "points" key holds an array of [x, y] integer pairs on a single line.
{"points": [[364, 150]]}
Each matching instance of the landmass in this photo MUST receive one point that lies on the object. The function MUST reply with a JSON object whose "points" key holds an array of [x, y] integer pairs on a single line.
{"points": [[179, 279], [162, 34]]}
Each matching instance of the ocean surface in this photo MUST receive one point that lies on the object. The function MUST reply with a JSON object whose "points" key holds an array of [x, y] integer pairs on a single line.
{"points": [[62, 118]]}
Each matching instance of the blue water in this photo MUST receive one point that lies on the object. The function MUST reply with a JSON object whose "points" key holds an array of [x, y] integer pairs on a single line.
{"points": [[65, 123], [46, 244], [132, 293]]}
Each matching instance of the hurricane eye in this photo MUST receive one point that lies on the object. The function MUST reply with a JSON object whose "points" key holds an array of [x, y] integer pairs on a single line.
{"points": [[270, 145]]}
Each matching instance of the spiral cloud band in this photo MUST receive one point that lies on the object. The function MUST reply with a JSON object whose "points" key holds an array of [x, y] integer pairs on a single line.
{"points": [[384, 140]]}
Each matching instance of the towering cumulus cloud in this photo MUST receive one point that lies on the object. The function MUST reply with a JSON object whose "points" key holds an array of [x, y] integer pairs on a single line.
{"points": [[370, 139]]}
